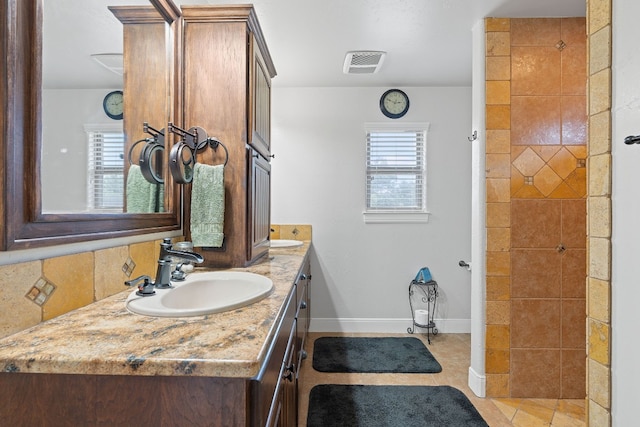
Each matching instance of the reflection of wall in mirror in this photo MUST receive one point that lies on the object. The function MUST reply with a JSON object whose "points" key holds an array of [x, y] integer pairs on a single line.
{"points": [[65, 151]]}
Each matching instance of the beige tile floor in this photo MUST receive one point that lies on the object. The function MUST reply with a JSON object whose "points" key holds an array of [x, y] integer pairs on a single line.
{"points": [[453, 353]]}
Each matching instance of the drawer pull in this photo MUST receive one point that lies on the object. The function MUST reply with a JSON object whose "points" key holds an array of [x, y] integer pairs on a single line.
{"points": [[303, 304], [289, 372]]}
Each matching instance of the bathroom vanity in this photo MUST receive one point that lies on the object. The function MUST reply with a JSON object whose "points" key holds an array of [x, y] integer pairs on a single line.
{"points": [[102, 365]]}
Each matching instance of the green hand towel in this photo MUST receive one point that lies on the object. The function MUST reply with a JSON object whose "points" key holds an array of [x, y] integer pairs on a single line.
{"points": [[207, 206], [141, 194]]}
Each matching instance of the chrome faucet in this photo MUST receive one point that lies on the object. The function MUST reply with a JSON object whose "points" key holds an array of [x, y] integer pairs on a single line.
{"points": [[163, 274]]}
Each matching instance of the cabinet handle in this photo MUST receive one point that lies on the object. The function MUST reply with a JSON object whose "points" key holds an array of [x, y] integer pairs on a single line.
{"points": [[303, 276], [303, 304], [273, 156], [303, 354], [289, 374]]}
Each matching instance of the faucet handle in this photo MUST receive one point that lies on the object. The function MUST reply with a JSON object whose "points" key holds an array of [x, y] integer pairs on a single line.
{"points": [[135, 281], [145, 289], [178, 275]]}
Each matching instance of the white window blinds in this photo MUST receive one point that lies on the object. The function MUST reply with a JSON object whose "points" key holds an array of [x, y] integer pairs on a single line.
{"points": [[396, 170], [105, 180]]}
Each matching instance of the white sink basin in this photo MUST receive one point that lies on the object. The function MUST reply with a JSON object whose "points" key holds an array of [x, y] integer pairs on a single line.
{"points": [[282, 243], [203, 293]]}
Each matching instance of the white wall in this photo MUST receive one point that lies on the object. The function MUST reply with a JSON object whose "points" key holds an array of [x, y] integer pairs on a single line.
{"points": [[361, 272], [626, 215]]}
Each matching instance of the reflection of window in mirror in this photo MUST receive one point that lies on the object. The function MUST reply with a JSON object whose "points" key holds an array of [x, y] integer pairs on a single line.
{"points": [[105, 164]]}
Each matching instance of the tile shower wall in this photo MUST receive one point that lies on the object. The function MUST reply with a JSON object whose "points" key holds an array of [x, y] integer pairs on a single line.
{"points": [[536, 207], [35, 291]]}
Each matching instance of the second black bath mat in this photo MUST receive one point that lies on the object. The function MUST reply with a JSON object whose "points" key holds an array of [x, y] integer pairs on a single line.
{"points": [[332, 405], [373, 355]]}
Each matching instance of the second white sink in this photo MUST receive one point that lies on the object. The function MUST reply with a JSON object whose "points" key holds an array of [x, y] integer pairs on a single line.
{"points": [[203, 293], [284, 243]]}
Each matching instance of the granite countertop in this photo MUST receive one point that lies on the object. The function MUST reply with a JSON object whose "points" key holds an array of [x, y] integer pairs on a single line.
{"points": [[104, 338]]}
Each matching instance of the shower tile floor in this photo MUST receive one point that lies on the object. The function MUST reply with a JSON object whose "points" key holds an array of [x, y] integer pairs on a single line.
{"points": [[453, 352]]}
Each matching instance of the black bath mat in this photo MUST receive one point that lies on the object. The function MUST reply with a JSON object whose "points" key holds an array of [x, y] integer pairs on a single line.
{"points": [[390, 406], [373, 355]]}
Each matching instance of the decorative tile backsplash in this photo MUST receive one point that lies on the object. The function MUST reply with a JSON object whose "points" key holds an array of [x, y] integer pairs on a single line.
{"points": [[128, 267], [41, 291], [34, 291], [291, 231]]}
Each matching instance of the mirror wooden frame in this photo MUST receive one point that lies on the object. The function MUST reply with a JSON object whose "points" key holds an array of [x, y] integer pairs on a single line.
{"points": [[23, 224]]}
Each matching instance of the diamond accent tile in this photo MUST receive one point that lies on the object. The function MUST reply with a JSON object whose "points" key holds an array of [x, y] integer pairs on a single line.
{"points": [[41, 291], [517, 180], [528, 163], [561, 45], [546, 180], [528, 192], [563, 163], [578, 151], [128, 267], [581, 163], [528, 180]]}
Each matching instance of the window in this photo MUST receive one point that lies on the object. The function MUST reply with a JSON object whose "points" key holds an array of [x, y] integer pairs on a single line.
{"points": [[396, 173], [105, 180]]}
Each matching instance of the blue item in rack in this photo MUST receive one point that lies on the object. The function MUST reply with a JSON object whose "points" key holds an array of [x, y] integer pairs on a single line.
{"points": [[424, 275]]}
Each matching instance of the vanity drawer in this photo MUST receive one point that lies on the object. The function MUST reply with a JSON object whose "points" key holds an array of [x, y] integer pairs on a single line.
{"points": [[266, 384]]}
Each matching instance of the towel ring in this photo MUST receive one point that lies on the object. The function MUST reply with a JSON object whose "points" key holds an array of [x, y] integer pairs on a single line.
{"points": [[133, 147], [149, 154], [214, 143]]}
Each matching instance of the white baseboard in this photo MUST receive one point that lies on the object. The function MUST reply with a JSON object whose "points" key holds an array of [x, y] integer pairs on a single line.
{"points": [[395, 326], [477, 383]]}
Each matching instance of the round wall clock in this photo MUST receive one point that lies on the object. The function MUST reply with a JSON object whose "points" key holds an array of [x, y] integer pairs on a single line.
{"points": [[394, 103], [113, 104]]}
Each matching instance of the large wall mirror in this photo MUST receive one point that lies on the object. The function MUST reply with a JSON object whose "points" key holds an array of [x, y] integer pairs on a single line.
{"points": [[75, 168]]}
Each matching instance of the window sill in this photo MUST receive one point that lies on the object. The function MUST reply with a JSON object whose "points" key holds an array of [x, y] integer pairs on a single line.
{"points": [[395, 217]]}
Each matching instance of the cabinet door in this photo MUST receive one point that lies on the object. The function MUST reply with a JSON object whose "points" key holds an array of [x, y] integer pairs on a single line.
{"points": [[261, 104], [259, 206], [284, 407], [289, 415]]}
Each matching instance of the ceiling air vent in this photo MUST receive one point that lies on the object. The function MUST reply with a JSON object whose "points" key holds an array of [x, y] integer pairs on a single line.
{"points": [[363, 62]]}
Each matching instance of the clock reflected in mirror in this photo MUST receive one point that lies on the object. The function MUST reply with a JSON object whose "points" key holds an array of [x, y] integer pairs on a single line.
{"points": [[113, 105]]}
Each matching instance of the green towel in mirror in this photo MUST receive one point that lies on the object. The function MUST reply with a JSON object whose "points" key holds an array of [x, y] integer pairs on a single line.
{"points": [[142, 196], [207, 206]]}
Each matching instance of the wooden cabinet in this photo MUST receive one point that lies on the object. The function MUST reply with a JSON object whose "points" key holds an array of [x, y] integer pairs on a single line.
{"points": [[146, 84], [283, 411], [227, 72], [303, 315], [261, 103], [259, 205], [267, 390], [268, 399]]}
